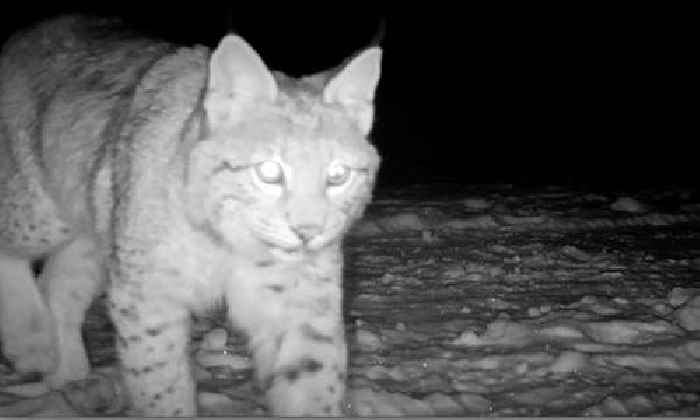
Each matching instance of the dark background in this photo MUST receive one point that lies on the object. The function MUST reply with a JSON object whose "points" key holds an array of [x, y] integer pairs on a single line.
{"points": [[496, 92]]}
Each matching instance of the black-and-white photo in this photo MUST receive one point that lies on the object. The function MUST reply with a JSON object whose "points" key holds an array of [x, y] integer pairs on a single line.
{"points": [[484, 210]]}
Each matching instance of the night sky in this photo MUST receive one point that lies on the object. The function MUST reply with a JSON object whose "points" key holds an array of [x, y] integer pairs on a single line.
{"points": [[492, 92]]}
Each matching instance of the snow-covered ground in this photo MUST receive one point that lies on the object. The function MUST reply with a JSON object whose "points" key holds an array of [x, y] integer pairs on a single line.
{"points": [[489, 301]]}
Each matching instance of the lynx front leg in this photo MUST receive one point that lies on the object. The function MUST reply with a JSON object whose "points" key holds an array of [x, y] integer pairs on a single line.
{"points": [[152, 341], [303, 371], [297, 338]]}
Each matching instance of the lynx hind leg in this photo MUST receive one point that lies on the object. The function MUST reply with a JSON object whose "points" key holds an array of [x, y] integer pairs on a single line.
{"points": [[303, 372], [26, 324], [71, 278]]}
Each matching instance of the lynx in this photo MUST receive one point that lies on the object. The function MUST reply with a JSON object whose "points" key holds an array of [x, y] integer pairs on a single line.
{"points": [[173, 177]]}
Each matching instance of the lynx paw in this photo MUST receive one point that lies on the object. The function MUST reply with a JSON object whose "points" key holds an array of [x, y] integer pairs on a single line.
{"points": [[72, 366], [32, 349]]}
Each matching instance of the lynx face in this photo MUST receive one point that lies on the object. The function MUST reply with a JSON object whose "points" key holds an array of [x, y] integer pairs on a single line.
{"points": [[293, 183], [285, 162]]}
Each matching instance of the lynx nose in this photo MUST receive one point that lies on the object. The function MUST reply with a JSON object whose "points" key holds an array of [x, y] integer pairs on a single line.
{"points": [[306, 232]]}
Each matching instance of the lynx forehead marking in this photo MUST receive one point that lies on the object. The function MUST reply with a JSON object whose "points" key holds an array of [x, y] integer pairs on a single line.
{"points": [[265, 263], [277, 288], [154, 331]]}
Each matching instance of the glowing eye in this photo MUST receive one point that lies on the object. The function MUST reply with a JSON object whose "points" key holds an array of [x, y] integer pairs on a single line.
{"points": [[270, 172], [338, 174]]}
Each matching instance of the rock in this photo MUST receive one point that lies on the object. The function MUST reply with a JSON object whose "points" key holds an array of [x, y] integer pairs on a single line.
{"points": [[403, 222], [390, 279], [688, 316], [680, 295], [560, 332], [367, 403], [594, 347], [502, 249], [640, 362], [368, 341], [639, 405], [398, 374], [594, 411], [476, 203], [443, 404], [474, 403], [522, 220], [687, 397], [693, 349], [662, 309], [472, 386], [428, 383], [611, 406], [200, 373], [216, 404], [594, 197], [500, 304], [479, 222], [209, 358], [665, 401], [540, 396], [629, 205], [215, 339], [474, 277], [375, 372], [575, 253], [498, 332], [603, 309], [495, 271], [569, 362], [412, 407], [429, 237], [365, 228], [533, 312], [454, 271], [631, 332]]}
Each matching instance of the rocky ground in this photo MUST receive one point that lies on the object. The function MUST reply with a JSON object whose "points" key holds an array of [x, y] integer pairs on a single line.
{"points": [[480, 301]]}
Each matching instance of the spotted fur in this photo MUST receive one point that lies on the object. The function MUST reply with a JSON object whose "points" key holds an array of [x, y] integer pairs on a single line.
{"points": [[174, 176]]}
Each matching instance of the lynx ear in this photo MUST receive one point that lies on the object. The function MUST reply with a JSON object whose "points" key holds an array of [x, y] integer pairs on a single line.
{"points": [[354, 86], [236, 72]]}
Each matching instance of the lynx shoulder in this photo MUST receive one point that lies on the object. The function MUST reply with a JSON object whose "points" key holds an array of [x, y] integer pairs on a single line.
{"points": [[174, 176]]}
